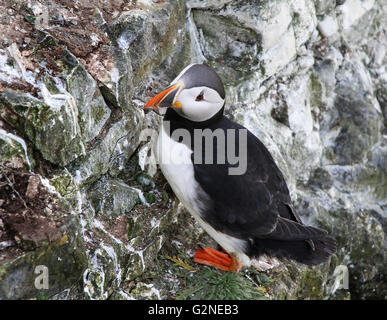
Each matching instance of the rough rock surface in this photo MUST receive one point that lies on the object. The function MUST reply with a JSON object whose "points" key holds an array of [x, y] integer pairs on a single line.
{"points": [[79, 192]]}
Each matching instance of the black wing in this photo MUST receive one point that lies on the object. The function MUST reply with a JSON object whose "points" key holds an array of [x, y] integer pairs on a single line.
{"points": [[254, 204]]}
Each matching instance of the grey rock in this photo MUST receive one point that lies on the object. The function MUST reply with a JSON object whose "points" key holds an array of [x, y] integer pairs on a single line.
{"points": [[53, 128], [358, 114], [120, 140], [62, 261], [323, 6], [92, 109], [246, 37], [112, 197]]}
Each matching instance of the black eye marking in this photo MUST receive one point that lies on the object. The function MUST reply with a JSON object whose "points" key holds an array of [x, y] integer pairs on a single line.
{"points": [[200, 97]]}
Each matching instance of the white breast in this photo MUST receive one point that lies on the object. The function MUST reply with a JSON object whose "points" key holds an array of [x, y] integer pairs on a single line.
{"points": [[175, 162]]}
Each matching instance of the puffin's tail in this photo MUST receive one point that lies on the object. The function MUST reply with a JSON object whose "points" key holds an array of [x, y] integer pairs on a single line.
{"points": [[305, 244]]}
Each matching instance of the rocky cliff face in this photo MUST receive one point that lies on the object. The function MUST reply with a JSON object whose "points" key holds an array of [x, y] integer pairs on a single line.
{"points": [[80, 195]]}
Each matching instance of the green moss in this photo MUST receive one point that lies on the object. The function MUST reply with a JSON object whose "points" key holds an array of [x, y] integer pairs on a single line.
{"points": [[150, 197], [10, 62], [42, 296], [8, 151]]}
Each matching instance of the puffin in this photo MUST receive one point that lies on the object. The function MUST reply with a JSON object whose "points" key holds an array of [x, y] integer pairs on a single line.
{"points": [[246, 206]]}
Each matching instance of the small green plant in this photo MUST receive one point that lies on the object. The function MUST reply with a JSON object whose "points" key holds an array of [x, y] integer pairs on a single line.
{"points": [[10, 62], [212, 284], [42, 296], [150, 197], [199, 282], [30, 19]]}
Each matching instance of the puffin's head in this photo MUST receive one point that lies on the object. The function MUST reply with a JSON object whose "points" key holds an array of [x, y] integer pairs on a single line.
{"points": [[197, 94]]}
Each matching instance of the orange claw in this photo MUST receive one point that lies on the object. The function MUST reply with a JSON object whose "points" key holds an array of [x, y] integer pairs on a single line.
{"points": [[211, 257]]}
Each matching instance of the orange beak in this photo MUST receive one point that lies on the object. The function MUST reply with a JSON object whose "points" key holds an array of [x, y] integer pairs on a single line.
{"points": [[154, 103]]}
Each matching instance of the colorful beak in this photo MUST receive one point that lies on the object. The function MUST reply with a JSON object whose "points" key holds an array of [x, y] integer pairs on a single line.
{"points": [[164, 98]]}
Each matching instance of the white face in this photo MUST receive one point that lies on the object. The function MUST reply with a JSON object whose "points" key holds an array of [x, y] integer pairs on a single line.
{"points": [[198, 103]]}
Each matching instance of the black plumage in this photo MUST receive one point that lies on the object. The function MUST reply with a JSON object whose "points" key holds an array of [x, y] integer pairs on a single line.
{"points": [[255, 206]]}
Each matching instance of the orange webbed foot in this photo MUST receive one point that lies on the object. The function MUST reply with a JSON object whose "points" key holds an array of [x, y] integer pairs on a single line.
{"points": [[212, 257]]}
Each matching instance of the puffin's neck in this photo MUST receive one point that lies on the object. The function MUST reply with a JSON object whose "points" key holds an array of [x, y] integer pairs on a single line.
{"points": [[178, 122]]}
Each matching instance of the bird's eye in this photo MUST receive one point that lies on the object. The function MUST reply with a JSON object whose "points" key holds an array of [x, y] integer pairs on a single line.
{"points": [[200, 97]]}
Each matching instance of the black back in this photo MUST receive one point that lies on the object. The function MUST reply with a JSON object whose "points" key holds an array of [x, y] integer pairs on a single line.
{"points": [[244, 205]]}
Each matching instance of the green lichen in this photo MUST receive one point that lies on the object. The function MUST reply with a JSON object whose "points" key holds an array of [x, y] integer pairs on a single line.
{"points": [[316, 92], [98, 113], [144, 291], [10, 150], [297, 281], [134, 227], [49, 82], [311, 285], [64, 183]]}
